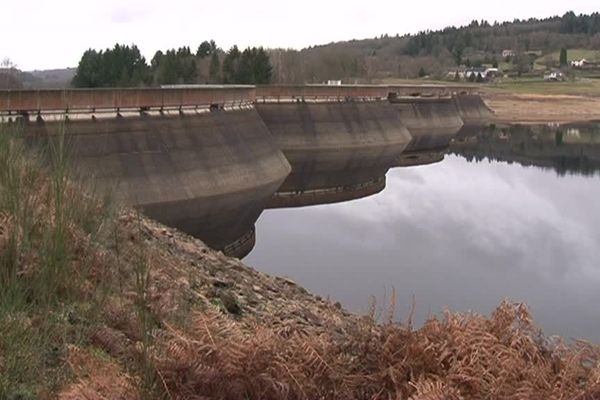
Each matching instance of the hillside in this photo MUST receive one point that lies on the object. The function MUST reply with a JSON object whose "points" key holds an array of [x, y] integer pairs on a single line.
{"points": [[534, 42], [52, 78]]}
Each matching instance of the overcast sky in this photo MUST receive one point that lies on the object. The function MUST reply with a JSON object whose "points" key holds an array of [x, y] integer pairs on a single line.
{"points": [[42, 34]]}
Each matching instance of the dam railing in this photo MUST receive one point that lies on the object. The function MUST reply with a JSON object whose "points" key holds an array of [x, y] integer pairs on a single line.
{"points": [[210, 96], [100, 99], [429, 91], [315, 93]]}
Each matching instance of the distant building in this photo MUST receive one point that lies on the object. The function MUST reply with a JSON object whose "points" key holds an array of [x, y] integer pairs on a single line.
{"points": [[481, 74], [555, 76], [334, 83], [583, 63], [492, 73], [476, 73], [508, 53]]}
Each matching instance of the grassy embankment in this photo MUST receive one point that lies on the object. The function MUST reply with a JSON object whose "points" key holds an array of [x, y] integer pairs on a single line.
{"points": [[99, 303]]}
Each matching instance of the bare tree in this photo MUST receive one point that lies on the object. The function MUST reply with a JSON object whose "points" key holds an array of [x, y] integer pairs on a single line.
{"points": [[9, 75]]}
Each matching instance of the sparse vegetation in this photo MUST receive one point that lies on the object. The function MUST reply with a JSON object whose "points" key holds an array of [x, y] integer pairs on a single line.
{"points": [[47, 251], [101, 305], [582, 87]]}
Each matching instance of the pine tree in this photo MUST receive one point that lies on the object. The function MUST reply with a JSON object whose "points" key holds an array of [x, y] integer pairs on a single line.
{"points": [[120, 66], [230, 65], [563, 57], [204, 50], [263, 71], [214, 68]]}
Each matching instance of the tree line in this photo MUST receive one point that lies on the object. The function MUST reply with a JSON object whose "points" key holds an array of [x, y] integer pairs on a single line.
{"points": [[124, 66], [524, 35]]}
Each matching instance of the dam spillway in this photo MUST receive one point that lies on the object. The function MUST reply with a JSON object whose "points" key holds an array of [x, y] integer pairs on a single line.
{"points": [[339, 149], [432, 123], [473, 111], [435, 115]]}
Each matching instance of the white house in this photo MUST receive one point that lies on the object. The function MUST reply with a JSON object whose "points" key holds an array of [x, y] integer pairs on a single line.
{"points": [[580, 63], [508, 53], [554, 76]]}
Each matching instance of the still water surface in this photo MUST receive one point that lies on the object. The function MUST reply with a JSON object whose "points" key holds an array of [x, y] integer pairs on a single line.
{"points": [[459, 234]]}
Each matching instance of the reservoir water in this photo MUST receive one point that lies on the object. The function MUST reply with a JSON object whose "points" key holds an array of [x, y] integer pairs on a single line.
{"points": [[509, 213]]}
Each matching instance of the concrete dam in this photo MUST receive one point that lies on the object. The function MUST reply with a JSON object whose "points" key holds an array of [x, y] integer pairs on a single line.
{"points": [[432, 122], [339, 150], [208, 160]]}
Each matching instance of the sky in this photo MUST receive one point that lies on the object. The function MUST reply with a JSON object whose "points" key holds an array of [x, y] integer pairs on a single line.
{"points": [[47, 34]]}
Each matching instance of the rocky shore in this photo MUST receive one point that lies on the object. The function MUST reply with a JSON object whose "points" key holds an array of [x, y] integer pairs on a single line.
{"points": [[184, 268]]}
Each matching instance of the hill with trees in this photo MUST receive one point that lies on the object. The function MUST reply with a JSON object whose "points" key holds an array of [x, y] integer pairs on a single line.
{"points": [[534, 42]]}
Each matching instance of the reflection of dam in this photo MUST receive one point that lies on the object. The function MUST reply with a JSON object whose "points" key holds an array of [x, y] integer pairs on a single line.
{"points": [[571, 148], [338, 150], [209, 159]]}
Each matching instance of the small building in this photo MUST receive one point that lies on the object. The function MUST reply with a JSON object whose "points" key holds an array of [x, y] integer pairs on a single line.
{"points": [[454, 75], [334, 83], [508, 53], [475, 74], [555, 76], [481, 74], [583, 63], [492, 73]]}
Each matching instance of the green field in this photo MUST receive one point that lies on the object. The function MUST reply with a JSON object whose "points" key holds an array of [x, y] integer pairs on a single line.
{"points": [[575, 54]]}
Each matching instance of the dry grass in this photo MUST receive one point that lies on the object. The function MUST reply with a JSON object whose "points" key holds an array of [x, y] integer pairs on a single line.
{"points": [[458, 357], [97, 378]]}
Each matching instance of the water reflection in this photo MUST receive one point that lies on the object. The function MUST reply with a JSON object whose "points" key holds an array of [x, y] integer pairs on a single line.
{"points": [[455, 234], [567, 149]]}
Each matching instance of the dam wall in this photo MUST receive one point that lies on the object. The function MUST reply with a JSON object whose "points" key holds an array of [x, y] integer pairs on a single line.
{"points": [[338, 150], [473, 111], [432, 122], [207, 173]]}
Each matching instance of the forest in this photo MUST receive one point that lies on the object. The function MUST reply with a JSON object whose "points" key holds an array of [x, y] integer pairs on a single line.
{"points": [[123, 66]]}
